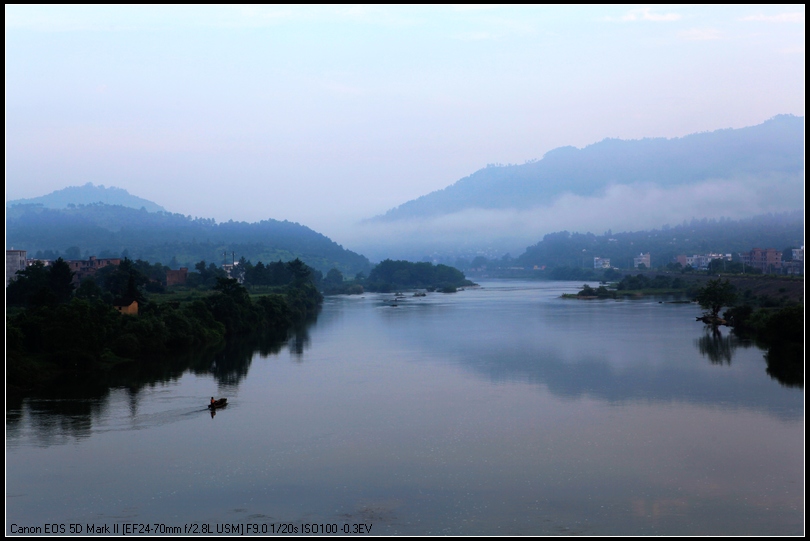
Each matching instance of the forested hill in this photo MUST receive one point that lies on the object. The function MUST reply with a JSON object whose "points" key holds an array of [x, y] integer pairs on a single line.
{"points": [[172, 239], [87, 194], [778, 231], [773, 149]]}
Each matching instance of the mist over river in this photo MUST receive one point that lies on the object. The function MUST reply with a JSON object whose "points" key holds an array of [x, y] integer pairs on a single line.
{"points": [[503, 409]]}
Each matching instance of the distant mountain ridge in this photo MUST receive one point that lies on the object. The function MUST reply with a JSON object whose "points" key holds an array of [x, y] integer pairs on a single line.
{"points": [[774, 148], [86, 195], [172, 239]]}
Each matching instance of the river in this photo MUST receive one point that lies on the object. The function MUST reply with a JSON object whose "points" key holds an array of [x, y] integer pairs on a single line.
{"points": [[496, 410]]}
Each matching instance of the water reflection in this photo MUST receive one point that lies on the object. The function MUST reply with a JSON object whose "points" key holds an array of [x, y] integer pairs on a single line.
{"points": [[609, 350], [786, 364], [67, 409], [785, 361], [463, 415], [300, 341], [718, 348]]}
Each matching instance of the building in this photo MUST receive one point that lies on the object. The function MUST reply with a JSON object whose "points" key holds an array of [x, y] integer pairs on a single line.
{"points": [[642, 259], [233, 272], [176, 277], [796, 266], [700, 262], [82, 269], [601, 263], [15, 261], [131, 309], [768, 260]]}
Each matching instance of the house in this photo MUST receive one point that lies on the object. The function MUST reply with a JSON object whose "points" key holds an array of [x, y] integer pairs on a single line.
{"points": [[84, 268], [642, 259], [700, 262], [176, 277], [601, 263], [130, 309], [768, 260]]}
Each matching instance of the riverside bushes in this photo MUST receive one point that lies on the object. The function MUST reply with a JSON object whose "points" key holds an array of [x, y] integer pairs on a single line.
{"points": [[45, 336]]}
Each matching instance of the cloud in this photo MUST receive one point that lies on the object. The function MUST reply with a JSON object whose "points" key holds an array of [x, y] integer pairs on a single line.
{"points": [[644, 14], [790, 17], [621, 208], [700, 34]]}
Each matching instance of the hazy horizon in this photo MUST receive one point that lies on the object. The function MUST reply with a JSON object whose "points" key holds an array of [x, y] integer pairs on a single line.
{"points": [[328, 115]]}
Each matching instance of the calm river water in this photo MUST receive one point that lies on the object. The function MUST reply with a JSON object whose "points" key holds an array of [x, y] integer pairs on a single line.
{"points": [[500, 410]]}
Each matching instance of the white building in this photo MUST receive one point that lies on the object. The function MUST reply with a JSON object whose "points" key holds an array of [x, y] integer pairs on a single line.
{"points": [[601, 263]]}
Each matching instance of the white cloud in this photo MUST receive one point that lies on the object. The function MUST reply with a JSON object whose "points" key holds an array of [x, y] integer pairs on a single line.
{"points": [[620, 208], [792, 17]]}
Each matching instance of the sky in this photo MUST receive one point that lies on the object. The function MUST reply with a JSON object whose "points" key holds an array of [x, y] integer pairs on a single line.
{"points": [[328, 115]]}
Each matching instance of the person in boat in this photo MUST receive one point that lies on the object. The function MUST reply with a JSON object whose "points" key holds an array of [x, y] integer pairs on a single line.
{"points": [[212, 401]]}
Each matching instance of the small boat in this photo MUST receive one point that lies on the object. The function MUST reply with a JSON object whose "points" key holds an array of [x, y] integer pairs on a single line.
{"points": [[221, 403]]}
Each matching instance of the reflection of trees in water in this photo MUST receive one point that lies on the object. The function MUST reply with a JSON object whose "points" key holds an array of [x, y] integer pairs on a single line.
{"points": [[786, 363], [230, 363], [59, 421], [66, 409], [299, 341], [785, 360], [718, 348]]}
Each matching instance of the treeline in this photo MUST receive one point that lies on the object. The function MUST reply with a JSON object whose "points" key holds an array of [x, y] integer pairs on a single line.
{"points": [[390, 275], [52, 328], [781, 231], [569, 256], [639, 283], [781, 331], [171, 239]]}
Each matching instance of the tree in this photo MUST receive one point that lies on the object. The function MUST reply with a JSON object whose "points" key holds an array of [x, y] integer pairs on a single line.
{"points": [[716, 294], [30, 285], [60, 280], [334, 278]]}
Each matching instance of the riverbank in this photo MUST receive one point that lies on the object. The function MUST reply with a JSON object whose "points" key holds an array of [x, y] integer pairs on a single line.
{"points": [[51, 345]]}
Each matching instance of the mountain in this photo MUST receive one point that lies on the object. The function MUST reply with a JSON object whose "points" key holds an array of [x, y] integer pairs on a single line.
{"points": [[88, 194], [780, 231], [173, 239], [773, 149]]}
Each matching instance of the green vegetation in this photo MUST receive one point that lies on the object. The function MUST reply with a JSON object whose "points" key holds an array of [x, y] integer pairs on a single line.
{"points": [[171, 239], [714, 295], [658, 285], [779, 329], [637, 285], [392, 275], [600, 292], [52, 330], [577, 250]]}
